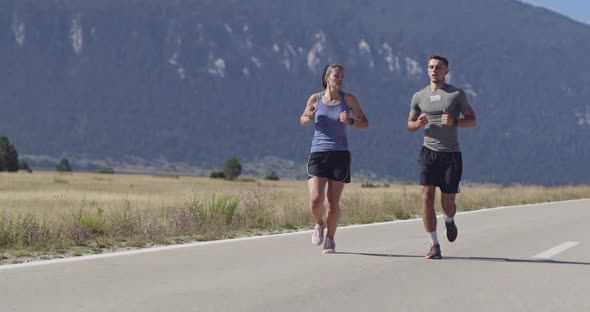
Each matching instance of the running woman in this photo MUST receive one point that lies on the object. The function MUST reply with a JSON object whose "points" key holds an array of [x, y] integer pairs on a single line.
{"points": [[328, 166]]}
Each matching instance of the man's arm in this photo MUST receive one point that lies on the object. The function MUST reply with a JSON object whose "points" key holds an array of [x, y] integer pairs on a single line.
{"points": [[469, 120], [416, 122]]}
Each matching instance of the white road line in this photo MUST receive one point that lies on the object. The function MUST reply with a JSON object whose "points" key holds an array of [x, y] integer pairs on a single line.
{"points": [[555, 250]]}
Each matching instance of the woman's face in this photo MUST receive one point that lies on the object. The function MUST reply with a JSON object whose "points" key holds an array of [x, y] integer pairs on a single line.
{"points": [[335, 78]]}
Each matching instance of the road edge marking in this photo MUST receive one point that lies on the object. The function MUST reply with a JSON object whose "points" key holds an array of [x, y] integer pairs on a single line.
{"points": [[230, 240], [548, 254]]}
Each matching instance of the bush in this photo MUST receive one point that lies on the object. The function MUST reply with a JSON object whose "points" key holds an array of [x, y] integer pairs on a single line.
{"points": [[105, 170], [64, 166], [88, 225], [272, 176], [23, 165], [217, 175], [221, 208]]}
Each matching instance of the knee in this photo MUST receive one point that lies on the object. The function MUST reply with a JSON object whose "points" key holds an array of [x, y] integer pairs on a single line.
{"points": [[332, 208], [317, 200], [448, 205], [428, 195]]}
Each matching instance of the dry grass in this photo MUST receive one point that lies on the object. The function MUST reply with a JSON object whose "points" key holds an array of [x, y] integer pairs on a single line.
{"points": [[46, 215]]}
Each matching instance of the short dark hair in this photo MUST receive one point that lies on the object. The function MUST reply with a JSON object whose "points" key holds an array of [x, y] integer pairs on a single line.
{"points": [[440, 58], [329, 66]]}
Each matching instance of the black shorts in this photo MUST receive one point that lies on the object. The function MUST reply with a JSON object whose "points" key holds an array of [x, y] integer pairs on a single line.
{"points": [[442, 169], [333, 165]]}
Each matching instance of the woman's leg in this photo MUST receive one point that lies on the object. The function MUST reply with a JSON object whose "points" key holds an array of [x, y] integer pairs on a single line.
{"points": [[316, 198], [334, 192]]}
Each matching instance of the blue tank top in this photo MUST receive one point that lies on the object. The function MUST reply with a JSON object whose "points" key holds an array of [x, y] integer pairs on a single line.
{"points": [[330, 132]]}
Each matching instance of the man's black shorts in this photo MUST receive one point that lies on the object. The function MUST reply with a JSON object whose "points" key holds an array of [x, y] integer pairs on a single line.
{"points": [[442, 169], [333, 165]]}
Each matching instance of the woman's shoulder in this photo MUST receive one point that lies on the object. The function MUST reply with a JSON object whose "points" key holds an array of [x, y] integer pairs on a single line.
{"points": [[349, 97], [313, 98]]}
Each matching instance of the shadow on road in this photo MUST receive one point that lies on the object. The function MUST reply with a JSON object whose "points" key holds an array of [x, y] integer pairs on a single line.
{"points": [[493, 259]]}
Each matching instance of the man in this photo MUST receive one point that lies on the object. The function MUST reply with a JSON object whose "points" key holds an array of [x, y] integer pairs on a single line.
{"points": [[438, 108]]}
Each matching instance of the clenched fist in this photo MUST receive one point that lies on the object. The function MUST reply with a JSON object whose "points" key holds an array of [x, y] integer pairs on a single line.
{"points": [[447, 119], [344, 118], [422, 120]]}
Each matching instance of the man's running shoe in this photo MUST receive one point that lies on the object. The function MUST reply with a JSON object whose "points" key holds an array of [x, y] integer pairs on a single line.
{"points": [[451, 230], [434, 252], [329, 245], [317, 238]]}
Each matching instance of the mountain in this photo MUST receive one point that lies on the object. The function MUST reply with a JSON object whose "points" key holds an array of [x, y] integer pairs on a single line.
{"points": [[180, 86]]}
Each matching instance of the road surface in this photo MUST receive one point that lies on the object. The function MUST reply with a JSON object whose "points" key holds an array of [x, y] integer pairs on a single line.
{"points": [[522, 258]]}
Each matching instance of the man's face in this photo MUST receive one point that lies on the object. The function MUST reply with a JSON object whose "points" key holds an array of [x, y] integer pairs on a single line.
{"points": [[437, 70]]}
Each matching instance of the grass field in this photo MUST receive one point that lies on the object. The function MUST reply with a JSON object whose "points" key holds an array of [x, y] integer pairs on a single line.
{"points": [[47, 215]]}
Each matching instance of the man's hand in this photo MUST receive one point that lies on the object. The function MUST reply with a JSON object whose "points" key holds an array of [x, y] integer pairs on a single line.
{"points": [[422, 120], [447, 119]]}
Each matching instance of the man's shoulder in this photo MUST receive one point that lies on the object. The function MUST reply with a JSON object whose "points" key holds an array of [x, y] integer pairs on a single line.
{"points": [[452, 89], [421, 92]]}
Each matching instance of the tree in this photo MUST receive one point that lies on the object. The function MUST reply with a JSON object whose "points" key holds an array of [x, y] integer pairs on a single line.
{"points": [[64, 165], [233, 168], [8, 155], [23, 165]]}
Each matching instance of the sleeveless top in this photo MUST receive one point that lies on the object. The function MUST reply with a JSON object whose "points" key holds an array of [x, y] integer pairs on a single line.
{"points": [[330, 132]]}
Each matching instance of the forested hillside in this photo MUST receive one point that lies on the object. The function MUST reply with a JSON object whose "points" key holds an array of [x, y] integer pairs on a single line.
{"points": [[179, 86]]}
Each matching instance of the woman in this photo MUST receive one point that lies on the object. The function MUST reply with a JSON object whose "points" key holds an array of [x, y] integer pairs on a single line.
{"points": [[329, 161]]}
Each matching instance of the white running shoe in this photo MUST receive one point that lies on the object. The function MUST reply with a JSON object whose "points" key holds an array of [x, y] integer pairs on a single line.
{"points": [[317, 238], [329, 246]]}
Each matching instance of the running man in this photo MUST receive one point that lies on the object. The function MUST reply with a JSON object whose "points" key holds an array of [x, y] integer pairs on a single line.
{"points": [[438, 108]]}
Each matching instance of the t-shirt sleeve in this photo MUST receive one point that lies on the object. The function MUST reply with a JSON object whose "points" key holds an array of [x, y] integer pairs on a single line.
{"points": [[414, 107], [463, 102]]}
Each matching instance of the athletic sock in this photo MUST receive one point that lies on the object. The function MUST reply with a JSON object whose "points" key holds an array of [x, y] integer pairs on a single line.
{"points": [[447, 219], [432, 237]]}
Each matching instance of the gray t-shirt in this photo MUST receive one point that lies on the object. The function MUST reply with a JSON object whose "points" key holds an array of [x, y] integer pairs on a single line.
{"points": [[436, 136]]}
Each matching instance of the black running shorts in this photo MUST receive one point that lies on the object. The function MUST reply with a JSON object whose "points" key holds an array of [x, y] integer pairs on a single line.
{"points": [[442, 169], [333, 165]]}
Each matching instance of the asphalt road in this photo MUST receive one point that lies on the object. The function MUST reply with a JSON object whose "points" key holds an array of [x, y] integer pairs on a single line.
{"points": [[524, 258]]}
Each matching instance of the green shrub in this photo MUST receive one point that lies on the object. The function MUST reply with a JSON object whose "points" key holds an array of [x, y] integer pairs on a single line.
{"points": [[272, 176], [64, 166], [217, 175], [221, 208], [105, 171], [88, 226]]}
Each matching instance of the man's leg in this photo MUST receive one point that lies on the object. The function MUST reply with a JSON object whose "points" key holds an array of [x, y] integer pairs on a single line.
{"points": [[447, 201], [449, 209], [449, 190], [429, 220], [428, 214]]}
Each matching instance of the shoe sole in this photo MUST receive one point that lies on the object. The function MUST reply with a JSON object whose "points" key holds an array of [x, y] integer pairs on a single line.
{"points": [[454, 238], [329, 251]]}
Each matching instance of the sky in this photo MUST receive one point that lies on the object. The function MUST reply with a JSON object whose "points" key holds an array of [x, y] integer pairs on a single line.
{"points": [[578, 10]]}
